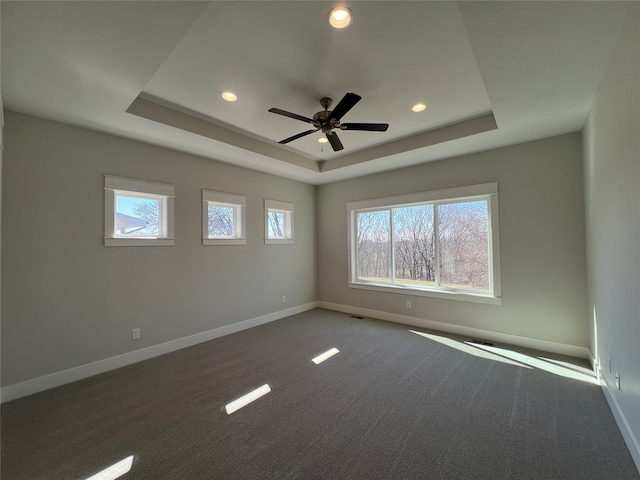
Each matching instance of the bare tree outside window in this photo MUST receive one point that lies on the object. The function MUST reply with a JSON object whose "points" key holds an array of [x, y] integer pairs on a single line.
{"points": [[374, 254], [221, 221], [149, 211], [410, 231], [414, 249], [464, 246], [276, 224]]}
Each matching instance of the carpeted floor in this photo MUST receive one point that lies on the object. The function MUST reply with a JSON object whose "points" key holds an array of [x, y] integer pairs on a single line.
{"points": [[393, 404]]}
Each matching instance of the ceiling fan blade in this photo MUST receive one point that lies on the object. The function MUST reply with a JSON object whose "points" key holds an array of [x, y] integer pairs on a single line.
{"points": [[346, 104], [292, 115], [335, 142], [368, 127], [300, 135]]}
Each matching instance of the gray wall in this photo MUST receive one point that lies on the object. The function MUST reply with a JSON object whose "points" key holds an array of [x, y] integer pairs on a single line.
{"points": [[541, 234], [68, 300], [612, 198]]}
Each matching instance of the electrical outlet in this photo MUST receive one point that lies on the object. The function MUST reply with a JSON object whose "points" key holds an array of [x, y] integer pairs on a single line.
{"points": [[284, 299], [617, 380], [135, 334], [408, 303]]}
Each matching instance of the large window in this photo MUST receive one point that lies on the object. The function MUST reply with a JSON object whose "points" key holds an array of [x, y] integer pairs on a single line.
{"points": [[442, 243], [137, 212], [223, 218]]}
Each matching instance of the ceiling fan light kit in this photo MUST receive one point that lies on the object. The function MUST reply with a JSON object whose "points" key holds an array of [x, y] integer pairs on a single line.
{"points": [[328, 120]]}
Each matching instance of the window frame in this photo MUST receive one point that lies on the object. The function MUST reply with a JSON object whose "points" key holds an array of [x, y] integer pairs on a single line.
{"points": [[487, 191], [235, 201], [281, 207], [115, 186]]}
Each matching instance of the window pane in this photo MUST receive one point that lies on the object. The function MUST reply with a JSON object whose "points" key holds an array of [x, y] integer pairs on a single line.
{"points": [[464, 249], [413, 246], [374, 252], [276, 224], [221, 221], [136, 216]]}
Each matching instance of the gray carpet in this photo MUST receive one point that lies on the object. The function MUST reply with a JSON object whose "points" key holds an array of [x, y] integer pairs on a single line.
{"points": [[391, 405]]}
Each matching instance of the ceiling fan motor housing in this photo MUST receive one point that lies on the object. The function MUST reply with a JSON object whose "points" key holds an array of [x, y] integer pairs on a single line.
{"points": [[327, 120], [323, 117]]}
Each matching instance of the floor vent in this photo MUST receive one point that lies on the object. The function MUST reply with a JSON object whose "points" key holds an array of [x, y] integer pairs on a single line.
{"points": [[357, 316], [482, 342]]}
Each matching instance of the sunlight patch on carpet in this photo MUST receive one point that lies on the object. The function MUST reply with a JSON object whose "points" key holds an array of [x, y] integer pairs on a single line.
{"points": [[114, 471], [324, 356], [247, 399], [470, 349]]}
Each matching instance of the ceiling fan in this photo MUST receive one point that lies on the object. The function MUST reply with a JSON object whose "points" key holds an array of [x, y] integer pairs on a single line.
{"points": [[328, 120]]}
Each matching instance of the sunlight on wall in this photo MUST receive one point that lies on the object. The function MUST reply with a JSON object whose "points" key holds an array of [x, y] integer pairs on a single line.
{"points": [[114, 471], [595, 353]]}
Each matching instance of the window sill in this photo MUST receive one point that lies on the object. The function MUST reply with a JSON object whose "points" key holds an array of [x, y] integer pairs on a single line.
{"points": [[139, 242], [285, 241], [224, 241], [443, 294]]}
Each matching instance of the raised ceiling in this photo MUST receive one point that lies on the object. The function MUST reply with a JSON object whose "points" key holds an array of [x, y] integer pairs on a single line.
{"points": [[491, 73]]}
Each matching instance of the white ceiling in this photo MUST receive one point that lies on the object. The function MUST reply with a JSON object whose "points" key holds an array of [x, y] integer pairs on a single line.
{"points": [[492, 74]]}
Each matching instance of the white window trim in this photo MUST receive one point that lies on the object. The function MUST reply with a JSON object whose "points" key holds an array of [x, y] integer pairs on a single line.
{"points": [[285, 207], [238, 203], [488, 191], [130, 186]]}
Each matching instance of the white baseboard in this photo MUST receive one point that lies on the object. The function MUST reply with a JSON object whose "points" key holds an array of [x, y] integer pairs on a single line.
{"points": [[18, 390], [593, 361], [627, 433], [534, 343]]}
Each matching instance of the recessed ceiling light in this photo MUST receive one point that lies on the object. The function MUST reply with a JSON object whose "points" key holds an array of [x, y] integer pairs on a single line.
{"points": [[340, 17], [323, 140], [418, 107], [229, 96]]}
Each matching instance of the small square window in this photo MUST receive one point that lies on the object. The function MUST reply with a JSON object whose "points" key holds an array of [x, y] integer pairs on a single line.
{"points": [[223, 218], [137, 213], [278, 222]]}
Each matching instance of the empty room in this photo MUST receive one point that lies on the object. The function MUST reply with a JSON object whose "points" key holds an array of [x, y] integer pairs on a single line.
{"points": [[320, 240]]}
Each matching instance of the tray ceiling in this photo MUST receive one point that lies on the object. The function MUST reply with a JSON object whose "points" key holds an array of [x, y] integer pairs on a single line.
{"points": [[491, 73]]}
